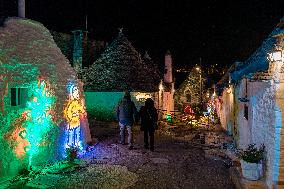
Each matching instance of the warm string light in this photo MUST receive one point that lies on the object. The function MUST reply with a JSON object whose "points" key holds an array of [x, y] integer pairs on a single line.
{"points": [[142, 96]]}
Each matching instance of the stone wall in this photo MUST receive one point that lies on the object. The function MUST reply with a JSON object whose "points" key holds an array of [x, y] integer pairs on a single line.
{"points": [[168, 102], [262, 100], [264, 124], [278, 169]]}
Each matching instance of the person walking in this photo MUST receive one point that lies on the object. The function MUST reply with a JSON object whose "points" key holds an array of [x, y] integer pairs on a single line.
{"points": [[149, 118], [126, 112]]}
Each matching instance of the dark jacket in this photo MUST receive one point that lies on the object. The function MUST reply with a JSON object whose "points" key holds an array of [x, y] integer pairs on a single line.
{"points": [[149, 117], [126, 112]]}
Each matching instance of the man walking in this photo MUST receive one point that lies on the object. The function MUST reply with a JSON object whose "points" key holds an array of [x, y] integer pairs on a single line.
{"points": [[126, 112]]}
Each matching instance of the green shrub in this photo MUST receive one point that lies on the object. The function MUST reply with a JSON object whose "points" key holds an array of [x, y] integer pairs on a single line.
{"points": [[252, 154]]}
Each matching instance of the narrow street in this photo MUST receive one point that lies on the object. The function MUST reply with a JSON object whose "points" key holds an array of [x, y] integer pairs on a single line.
{"points": [[206, 76], [178, 161], [184, 158]]}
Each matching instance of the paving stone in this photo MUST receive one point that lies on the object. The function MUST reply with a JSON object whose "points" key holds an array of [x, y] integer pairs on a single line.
{"points": [[175, 164], [159, 160]]}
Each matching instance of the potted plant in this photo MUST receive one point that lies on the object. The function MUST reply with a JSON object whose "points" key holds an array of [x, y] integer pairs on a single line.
{"points": [[72, 153], [251, 162]]}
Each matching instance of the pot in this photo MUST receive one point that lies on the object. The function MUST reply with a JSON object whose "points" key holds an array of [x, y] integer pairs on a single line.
{"points": [[252, 171]]}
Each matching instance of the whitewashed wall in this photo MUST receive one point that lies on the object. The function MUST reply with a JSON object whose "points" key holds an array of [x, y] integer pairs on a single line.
{"points": [[226, 111], [244, 130], [262, 100]]}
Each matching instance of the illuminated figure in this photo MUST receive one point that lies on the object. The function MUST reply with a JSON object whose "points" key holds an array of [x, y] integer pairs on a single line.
{"points": [[74, 108]]}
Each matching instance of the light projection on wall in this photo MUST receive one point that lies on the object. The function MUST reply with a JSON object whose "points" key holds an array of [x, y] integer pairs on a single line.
{"points": [[73, 110], [18, 137], [39, 118], [30, 129], [35, 121]]}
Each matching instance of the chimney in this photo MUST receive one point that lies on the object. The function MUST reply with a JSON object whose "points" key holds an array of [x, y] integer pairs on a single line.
{"points": [[168, 76], [21, 8]]}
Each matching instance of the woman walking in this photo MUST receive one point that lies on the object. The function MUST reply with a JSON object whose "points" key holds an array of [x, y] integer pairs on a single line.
{"points": [[149, 118]]}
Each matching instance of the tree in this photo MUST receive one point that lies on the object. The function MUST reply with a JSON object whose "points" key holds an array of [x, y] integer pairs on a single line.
{"points": [[189, 90]]}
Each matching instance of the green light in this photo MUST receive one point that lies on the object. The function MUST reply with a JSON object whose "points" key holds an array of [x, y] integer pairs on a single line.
{"points": [[169, 118], [39, 121]]}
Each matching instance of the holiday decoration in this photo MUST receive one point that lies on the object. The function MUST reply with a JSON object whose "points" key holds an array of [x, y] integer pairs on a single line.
{"points": [[141, 97], [190, 91], [211, 109], [39, 118], [73, 111], [34, 76]]}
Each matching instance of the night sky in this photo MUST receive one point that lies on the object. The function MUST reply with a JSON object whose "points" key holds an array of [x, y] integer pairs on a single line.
{"points": [[217, 31]]}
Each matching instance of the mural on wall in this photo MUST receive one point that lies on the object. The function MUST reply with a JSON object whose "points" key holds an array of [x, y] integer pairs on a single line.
{"points": [[74, 109]]}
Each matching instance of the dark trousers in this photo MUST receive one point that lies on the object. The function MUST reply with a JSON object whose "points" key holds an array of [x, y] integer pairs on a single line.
{"points": [[148, 133]]}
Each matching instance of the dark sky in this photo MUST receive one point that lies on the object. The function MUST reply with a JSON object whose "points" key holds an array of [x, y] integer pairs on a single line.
{"points": [[218, 31]]}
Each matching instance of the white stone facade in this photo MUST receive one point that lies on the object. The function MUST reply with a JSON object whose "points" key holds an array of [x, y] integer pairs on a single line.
{"points": [[263, 95], [226, 110]]}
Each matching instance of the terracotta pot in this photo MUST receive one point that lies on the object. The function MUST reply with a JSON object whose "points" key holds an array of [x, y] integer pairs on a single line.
{"points": [[252, 171]]}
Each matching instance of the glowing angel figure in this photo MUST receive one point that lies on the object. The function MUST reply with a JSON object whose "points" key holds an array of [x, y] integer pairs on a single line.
{"points": [[73, 110]]}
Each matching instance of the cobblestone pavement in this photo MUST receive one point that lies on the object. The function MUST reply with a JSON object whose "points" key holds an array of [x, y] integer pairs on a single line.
{"points": [[184, 158], [177, 162]]}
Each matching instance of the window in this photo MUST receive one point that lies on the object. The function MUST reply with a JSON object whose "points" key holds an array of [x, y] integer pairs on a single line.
{"points": [[19, 96], [166, 71], [188, 97]]}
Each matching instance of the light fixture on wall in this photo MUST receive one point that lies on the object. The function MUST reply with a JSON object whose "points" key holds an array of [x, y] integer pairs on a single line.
{"points": [[276, 55], [229, 90], [276, 58], [161, 87], [141, 97]]}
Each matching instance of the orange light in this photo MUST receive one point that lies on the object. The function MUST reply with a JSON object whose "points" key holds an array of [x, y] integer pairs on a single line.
{"points": [[229, 90], [72, 113]]}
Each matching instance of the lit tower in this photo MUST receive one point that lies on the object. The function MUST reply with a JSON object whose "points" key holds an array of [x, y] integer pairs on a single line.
{"points": [[168, 75], [168, 96]]}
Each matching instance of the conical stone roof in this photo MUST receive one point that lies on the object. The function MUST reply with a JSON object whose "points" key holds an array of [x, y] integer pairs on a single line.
{"points": [[121, 67]]}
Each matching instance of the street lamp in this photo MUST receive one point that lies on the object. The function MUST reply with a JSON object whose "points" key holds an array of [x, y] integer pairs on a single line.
{"points": [[160, 97], [198, 69]]}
